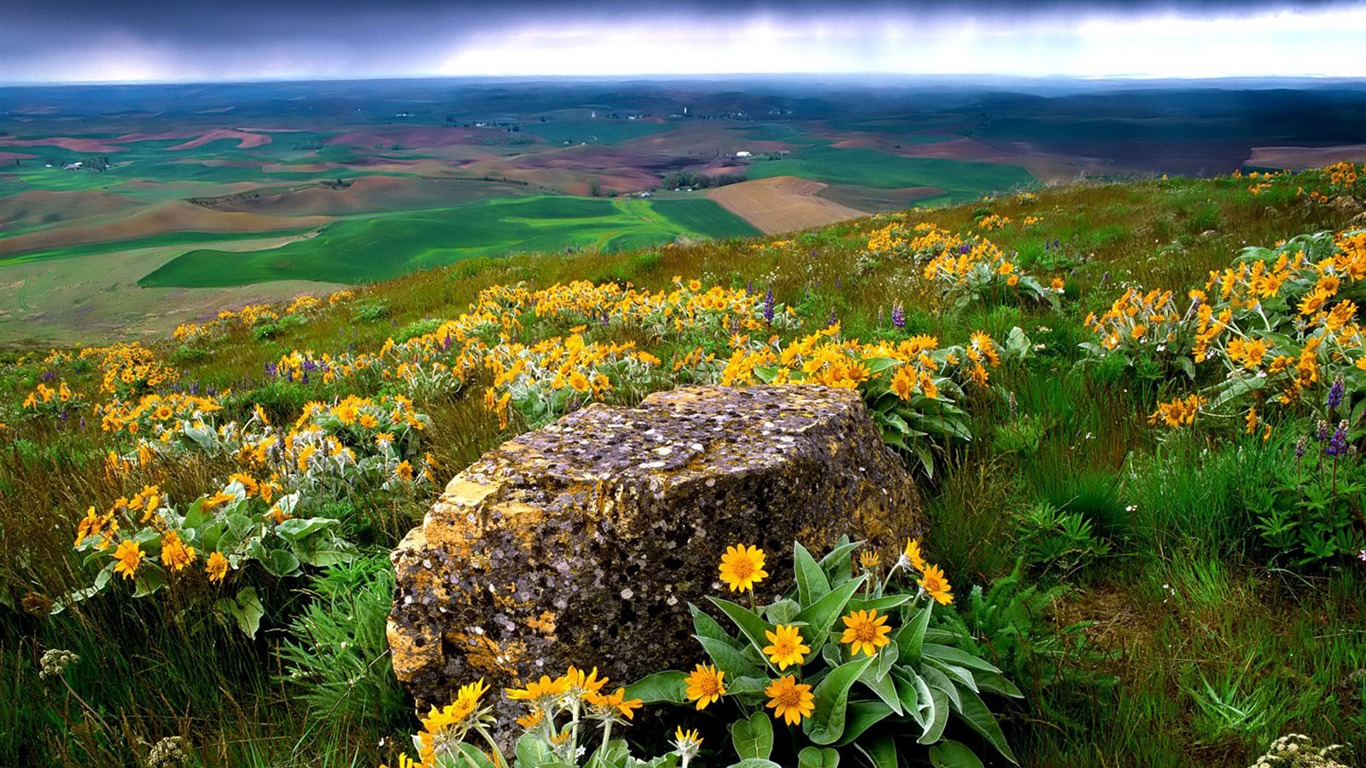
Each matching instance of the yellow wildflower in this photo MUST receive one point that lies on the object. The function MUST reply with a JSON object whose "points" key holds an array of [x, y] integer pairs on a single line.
{"points": [[742, 567], [705, 685], [790, 700], [865, 631]]}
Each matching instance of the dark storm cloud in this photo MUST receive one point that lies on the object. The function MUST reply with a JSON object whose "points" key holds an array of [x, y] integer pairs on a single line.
{"points": [[158, 39]]}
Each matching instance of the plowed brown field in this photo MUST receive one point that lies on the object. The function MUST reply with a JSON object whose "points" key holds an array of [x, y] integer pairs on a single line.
{"points": [[781, 204]]}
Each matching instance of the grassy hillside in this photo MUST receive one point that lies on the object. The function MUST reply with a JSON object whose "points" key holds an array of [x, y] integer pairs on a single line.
{"points": [[1170, 582]]}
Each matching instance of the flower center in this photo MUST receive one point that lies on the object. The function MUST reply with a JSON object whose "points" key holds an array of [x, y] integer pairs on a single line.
{"points": [[743, 570], [789, 697], [866, 632]]}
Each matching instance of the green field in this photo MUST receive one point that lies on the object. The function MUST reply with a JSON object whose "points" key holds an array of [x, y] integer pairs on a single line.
{"points": [[600, 131], [362, 250], [960, 180]]}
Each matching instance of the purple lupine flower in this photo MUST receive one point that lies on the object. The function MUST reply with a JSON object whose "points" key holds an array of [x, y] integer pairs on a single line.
{"points": [[749, 287], [839, 283], [211, 391], [898, 315], [1045, 245], [1336, 392], [1338, 445], [194, 388], [964, 248], [1057, 243], [832, 319], [1321, 434], [1301, 447], [49, 375], [769, 303], [304, 379]]}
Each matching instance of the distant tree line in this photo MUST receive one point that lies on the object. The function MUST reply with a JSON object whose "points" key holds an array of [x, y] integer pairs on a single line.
{"points": [[680, 179]]}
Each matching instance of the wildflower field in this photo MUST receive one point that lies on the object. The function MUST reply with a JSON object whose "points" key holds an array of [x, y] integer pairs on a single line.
{"points": [[1135, 411]]}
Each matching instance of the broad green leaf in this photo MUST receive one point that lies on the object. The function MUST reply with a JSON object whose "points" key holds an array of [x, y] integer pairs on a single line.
{"points": [[820, 616], [730, 659], [532, 751], [660, 687], [879, 604], [939, 717], [950, 655], [995, 682], [194, 516], [753, 738], [836, 561], [938, 681], [751, 626], [914, 692], [960, 675], [246, 609], [826, 724], [782, 612], [979, 718], [149, 580], [321, 554], [910, 639], [475, 756], [812, 583], [281, 563], [881, 753], [952, 754], [704, 625], [886, 660], [751, 762], [884, 687], [295, 529], [816, 757], [861, 716], [745, 686]]}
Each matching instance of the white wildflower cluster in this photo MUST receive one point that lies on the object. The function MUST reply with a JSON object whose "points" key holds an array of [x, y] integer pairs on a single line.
{"points": [[1295, 750]]}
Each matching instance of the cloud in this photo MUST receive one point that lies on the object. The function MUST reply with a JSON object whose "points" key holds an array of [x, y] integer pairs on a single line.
{"points": [[75, 40]]}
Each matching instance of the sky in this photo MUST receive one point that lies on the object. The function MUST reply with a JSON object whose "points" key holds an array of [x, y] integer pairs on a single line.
{"points": [[44, 41]]}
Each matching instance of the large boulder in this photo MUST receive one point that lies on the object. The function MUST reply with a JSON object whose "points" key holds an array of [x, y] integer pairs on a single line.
{"points": [[583, 542]]}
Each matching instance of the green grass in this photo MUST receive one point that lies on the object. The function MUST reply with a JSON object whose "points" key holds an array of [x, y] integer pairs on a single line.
{"points": [[1186, 649], [366, 249], [961, 180]]}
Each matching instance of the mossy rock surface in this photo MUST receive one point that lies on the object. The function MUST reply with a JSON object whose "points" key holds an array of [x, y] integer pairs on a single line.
{"points": [[584, 542]]}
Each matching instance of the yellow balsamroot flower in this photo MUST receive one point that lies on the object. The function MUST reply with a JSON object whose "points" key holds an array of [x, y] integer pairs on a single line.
{"points": [[869, 559], [936, 586], [404, 471], [538, 690], [705, 685], [786, 647], [911, 556], [217, 567], [790, 700], [128, 556], [532, 719], [686, 745], [578, 683], [456, 713], [615, 702], [865, 631], [742, 567], [174, 554]]}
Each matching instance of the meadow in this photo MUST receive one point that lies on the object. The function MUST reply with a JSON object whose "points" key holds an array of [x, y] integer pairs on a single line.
{"points": [[1138, 442], [393, 174]]}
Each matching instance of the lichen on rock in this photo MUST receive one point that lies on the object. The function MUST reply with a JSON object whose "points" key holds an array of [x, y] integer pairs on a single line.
{"points": [[583, 542]]}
